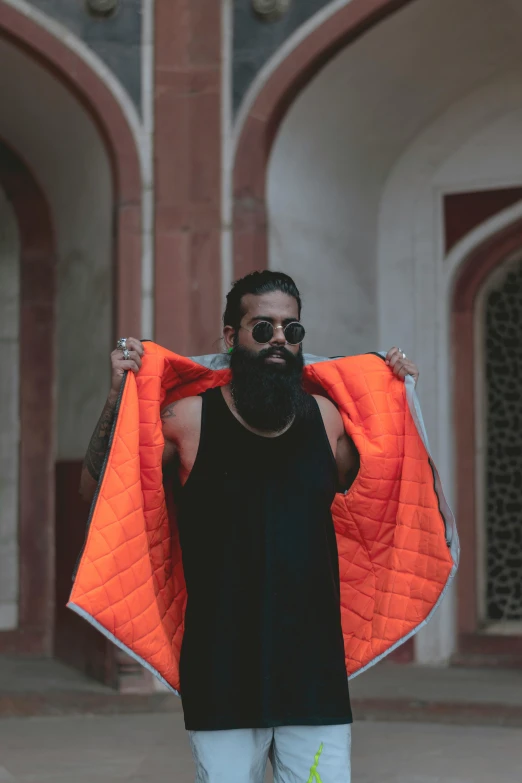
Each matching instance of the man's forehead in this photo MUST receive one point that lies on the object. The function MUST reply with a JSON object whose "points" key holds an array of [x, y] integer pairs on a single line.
{"points": [[275, 304]]}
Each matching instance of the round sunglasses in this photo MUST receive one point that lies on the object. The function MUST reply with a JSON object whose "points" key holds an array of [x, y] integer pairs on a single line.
{"points": [[263, 332]]}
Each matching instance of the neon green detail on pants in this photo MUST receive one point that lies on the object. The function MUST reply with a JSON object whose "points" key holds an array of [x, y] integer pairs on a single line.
{"points": [[314, 775]]}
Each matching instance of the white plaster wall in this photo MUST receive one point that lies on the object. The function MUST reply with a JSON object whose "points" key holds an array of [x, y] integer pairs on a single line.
{"points": [[491, 156], [342, 136], [475, 144], [9, 406], [50, 129], [320, 233]]}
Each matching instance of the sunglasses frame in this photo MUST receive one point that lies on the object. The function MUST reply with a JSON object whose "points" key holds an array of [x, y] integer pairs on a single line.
{"points": [[284, 328]]}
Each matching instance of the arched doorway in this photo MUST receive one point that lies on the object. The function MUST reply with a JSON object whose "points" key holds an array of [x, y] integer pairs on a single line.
{"points": [[266, 107], [72, 151], [498, 343], [28, 272], [487, 323], [118, 128]]}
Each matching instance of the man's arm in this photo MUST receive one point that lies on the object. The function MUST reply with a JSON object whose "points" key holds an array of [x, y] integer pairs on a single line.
{"points": [[348, 462], [343, 447], [170, 450], [93, 462], [95, 456], [181, 422]]}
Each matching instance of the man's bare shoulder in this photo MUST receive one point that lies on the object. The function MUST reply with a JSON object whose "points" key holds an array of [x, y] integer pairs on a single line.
{"points": [[182, 415], [327, 407]]}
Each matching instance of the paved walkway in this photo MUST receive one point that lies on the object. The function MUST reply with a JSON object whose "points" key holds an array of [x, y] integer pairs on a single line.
{"points": [[388, 692], [71, 730], [440, 684], [152, 748], [491, 697]]}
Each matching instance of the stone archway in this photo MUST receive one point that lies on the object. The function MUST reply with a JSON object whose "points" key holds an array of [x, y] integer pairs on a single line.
{"points": [[266, 111], [120, 134], [37, 263], [474, 639], [87, 159]]}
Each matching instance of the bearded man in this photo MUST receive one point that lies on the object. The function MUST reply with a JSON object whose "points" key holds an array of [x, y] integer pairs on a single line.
{"points": [[255, 465]]}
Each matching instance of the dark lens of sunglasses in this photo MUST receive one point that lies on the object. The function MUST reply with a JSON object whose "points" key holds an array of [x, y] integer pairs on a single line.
{"points": [[294, 334], [263, 332]]}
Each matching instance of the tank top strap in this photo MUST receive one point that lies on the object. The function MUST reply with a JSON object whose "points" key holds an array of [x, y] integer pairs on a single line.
{"points": [[215, 415], [311, 429]]}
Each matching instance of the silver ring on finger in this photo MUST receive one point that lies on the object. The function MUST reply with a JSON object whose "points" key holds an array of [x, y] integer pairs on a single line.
{"points": [[122, 343], [126, 354], [403, 355]]}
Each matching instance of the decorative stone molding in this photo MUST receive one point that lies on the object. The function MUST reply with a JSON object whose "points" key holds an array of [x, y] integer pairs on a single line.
{"points": [[102, 7], [270, 10]]}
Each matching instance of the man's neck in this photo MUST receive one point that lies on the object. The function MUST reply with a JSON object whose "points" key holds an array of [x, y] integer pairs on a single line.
{"points": [[229, 399]]}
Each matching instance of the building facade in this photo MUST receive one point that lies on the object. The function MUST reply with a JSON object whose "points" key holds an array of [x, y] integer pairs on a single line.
{"points": [[151, 151]]}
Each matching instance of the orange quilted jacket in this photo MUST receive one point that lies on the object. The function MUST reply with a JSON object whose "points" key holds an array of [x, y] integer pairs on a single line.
{"points": [[398, 546]]}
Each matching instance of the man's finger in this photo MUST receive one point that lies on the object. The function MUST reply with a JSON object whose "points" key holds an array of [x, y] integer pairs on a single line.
{"points": [[396, 361], [133, 344], [403, 368], [391, 354], [132, 355], [128, 364], [135, 356]]}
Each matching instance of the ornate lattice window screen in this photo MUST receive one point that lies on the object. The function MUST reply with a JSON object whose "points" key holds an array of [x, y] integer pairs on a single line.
{"points": [[502, 346]]}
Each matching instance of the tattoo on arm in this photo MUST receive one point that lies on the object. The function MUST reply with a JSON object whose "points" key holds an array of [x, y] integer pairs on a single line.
{"points": [[168, 412], [100, 441], [99, 444]]}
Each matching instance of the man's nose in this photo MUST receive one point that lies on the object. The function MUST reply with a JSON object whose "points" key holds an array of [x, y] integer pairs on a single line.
{"points": [[278, 337]]}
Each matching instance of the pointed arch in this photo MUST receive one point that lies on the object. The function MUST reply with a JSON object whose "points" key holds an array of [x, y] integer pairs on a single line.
{"points": [[106, 102], [37, 261], [476, 267], [267, 104]]}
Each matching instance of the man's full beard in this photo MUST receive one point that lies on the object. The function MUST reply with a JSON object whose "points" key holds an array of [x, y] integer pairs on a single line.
{"points": [[268, 396]]}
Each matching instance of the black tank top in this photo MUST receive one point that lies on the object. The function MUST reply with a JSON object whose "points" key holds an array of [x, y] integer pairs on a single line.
{"points": [[263, 644]]}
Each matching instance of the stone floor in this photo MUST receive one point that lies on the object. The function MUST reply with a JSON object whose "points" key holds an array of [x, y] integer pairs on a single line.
{"points": [[42, 675], [152, 748], [56, 726], [386, 692], [439, 684]]}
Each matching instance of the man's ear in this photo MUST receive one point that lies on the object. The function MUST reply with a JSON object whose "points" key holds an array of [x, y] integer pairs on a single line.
{"points": [[229, 334]]}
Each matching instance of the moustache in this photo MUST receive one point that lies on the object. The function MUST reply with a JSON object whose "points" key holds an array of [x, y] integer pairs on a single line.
{"points": [[280, 353]]}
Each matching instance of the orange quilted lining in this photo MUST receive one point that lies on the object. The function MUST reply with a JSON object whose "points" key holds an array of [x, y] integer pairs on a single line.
{"points": [[393, 557]]}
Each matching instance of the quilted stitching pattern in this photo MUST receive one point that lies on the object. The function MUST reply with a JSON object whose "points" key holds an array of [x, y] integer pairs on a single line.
{"points": [[394, 561]]}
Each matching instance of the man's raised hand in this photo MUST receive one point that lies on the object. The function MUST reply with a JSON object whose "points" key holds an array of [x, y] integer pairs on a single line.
{"points": [[401, 365], [123, 359]]}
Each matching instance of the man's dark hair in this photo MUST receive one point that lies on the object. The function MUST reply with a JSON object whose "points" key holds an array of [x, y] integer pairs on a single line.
{"points": [[257, 283]]}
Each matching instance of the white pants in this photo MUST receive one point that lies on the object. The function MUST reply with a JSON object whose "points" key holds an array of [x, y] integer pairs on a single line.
{"points": [[299, 754]]}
